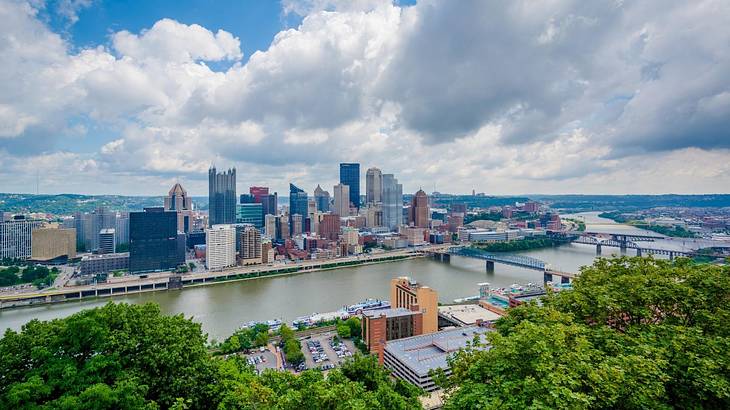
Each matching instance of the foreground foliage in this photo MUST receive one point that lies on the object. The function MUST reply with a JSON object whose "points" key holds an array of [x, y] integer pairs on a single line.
{"points": [[132, 357], [246, 339], [634, 333]]}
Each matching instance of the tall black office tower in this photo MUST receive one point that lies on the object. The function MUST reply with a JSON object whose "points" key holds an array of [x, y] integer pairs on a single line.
{"points": [[350, 176], [221, 197], [154, 242], [297, 206]]}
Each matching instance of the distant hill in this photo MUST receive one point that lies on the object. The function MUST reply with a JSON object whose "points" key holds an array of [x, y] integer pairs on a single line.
{"points": [[633, 202], [68, 204]]}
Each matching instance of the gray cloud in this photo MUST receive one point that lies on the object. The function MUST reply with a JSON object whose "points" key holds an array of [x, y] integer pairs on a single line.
{"points": [[458, 94]]}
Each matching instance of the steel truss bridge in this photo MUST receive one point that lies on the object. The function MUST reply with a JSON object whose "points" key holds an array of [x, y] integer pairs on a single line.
{"points": [[513, 260], [520, 261], [640, 242]]}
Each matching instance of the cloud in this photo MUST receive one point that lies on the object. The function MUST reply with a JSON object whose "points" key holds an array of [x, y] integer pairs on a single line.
{"points": [[503, 97], [171, 41], [69, 9]]}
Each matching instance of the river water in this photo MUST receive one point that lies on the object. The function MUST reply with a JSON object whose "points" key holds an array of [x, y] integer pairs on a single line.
{"points": [[223, 307]]}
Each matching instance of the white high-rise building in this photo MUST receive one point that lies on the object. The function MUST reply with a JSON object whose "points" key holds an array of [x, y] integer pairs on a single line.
{"points": [[15, 237], [220, 250], [270, 226], [392, 202], [342, 200], [373, 186]]}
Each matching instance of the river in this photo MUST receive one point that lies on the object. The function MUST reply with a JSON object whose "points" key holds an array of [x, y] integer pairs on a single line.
{"points": [[223, 307]]}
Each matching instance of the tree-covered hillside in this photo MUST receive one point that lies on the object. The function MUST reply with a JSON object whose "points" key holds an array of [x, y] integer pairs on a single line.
{"points": [[635, 333], [132, 357], [68, 204]]}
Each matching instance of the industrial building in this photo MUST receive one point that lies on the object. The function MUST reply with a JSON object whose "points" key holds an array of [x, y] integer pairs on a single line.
{"points": [[411, 359]]}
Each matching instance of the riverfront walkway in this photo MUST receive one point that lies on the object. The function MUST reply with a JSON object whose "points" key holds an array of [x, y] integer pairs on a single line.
{"points": [[167, 280]]}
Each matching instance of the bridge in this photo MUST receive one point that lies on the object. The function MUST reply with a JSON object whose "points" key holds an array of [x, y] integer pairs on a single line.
{"points": [[643, 243], [507, 259], [521, 261]]}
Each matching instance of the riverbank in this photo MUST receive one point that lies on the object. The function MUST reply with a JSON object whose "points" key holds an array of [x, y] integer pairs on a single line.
{"points": [[671, 231], [170, 282], [521, 245]]}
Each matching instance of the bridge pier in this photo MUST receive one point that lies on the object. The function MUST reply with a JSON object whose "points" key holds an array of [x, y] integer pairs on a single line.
{"points": [[446, 257], [490, 266], [598, 249], [638, 251], [548, 277], [671, 255]]}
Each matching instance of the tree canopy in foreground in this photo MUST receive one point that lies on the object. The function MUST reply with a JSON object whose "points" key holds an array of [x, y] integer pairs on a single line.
{"points": [[130, 357], [634, 333]]}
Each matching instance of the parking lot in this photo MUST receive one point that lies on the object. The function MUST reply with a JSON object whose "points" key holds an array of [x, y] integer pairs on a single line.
{"points": [[262, 360], [321, 352]]}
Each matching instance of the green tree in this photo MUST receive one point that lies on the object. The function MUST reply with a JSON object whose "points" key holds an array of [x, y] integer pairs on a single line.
{"points": [[343, 330], [293, 351], [359, 384], [355, 326], [117, 356], [634, 333], [261, 339], [131, 357]]}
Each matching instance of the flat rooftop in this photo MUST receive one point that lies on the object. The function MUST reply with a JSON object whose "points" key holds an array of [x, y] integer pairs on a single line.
{"points": [[428, 352], [389, 312], [468, 314]]}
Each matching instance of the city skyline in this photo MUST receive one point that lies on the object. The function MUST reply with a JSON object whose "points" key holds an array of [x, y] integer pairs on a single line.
{"points": [[125, 103]]}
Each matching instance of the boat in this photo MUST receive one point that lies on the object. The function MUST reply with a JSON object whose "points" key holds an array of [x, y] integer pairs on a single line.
{"points": [[368, 304], [273, 324]]}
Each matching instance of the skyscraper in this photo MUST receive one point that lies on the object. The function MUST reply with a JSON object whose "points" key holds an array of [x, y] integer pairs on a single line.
{"points": [[15, 237], [88, 226], [258, 192], [420, 210], [270, 226], [250, 246], [392, 202], [269, 203], [373, 186], [297, 206], [250, 213], [154, 242], [220, 243], [297, 224], [121, 229], [329, 227], [322, 198], [107, 241], [342, 200], [221, 196], [178, 200], [350, 176]]}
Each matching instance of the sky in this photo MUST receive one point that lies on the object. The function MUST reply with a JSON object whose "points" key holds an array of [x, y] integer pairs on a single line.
{"points": [[518, 97]]}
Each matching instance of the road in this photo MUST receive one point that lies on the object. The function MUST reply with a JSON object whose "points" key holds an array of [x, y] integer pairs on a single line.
{"points": [[62, 283]]}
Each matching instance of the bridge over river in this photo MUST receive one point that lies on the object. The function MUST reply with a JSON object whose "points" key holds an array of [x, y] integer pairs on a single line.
{"points": [[521, 261], [644, 244]]}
